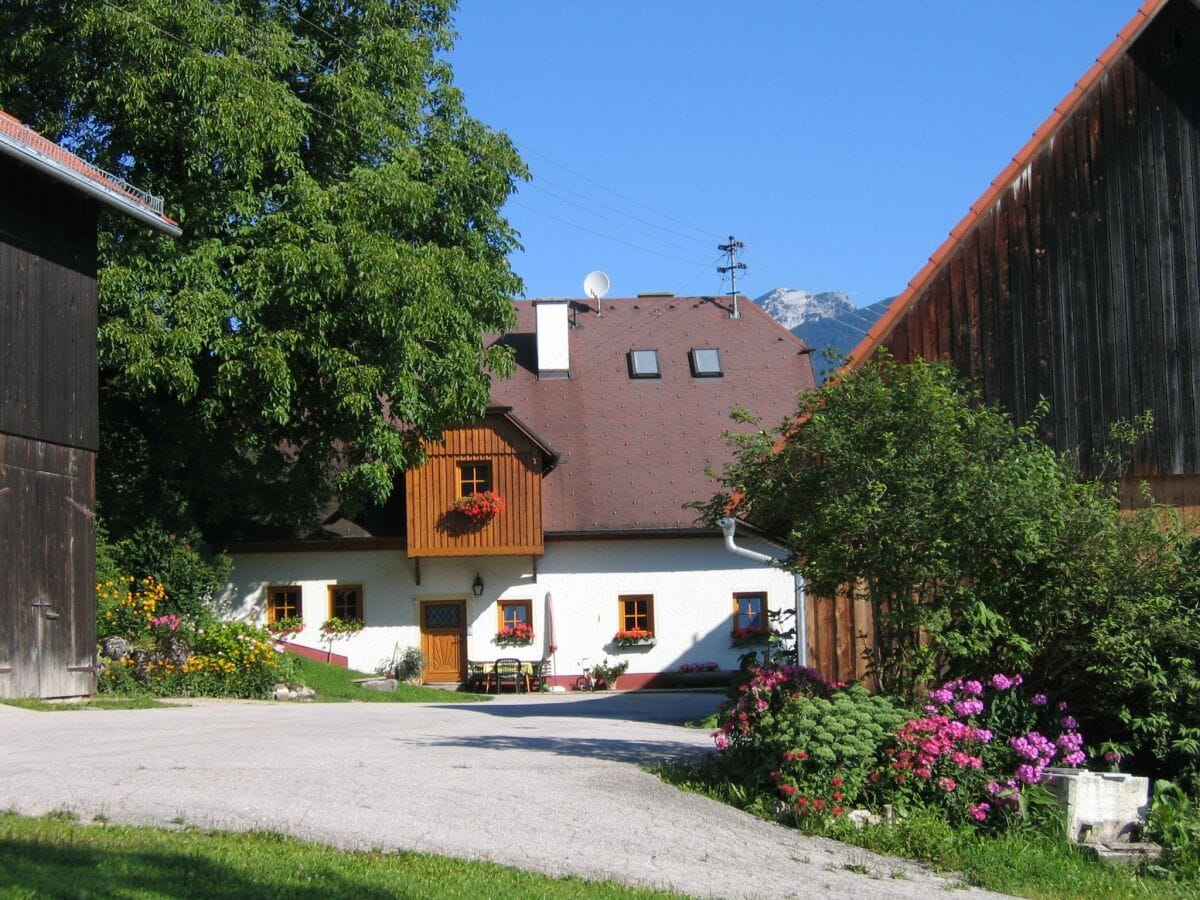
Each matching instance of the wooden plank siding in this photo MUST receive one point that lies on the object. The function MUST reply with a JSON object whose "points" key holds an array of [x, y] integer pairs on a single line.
{"points": [[435, 529], [47, 310], [840, 629], [47, 552], [49, 432], [1081, 281]]}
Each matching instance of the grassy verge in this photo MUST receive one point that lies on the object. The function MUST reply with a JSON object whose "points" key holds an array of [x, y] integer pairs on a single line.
{"points": [[1026, 862], [335, 684], [100, 703], [56, 857]]}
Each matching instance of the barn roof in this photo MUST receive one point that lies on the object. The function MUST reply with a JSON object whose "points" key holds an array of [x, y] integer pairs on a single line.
{"points": [[1005, 180], [632, 450], [23, 143]]}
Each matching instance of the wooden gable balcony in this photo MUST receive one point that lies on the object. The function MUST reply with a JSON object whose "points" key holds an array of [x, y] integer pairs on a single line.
{"points": [[498, 454]]}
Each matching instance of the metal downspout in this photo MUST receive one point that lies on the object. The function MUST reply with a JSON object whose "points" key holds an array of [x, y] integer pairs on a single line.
{"points": [[728, 527]]}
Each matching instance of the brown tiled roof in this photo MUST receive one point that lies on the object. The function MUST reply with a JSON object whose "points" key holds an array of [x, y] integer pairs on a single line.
{"points": [[22, 142], [1002, 182], [633, 451]]}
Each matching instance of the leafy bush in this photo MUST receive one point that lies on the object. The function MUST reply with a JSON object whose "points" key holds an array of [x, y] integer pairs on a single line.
{"points": [[190, 574], [792, 732], [835, 743]]}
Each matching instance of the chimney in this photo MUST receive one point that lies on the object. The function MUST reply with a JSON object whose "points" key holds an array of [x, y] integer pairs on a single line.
{"points": [[553, 355]]}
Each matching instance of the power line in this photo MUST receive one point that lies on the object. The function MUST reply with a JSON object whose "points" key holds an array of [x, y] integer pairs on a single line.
{"points": [[601, 234], [653, 237], [707, 235]]}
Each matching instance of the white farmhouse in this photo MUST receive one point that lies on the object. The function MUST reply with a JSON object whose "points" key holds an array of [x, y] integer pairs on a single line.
{"points": [[603, 432]]}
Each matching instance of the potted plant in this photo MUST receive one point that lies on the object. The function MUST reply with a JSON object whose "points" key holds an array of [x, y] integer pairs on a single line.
{"points": [[480, 507], [634, 637], [607, 674], [518, 634]]}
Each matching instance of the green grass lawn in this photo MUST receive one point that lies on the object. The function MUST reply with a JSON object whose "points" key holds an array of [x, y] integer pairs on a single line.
{"points": [[57, 857], [335, 684], [96, 703]]}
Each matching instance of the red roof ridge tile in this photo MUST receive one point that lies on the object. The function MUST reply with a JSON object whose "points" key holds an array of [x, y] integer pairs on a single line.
{"points": [[70, 168], [1010, 173]]}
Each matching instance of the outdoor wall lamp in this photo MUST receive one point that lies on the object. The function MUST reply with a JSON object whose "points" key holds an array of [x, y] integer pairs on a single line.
{"points": [[477, 586]]}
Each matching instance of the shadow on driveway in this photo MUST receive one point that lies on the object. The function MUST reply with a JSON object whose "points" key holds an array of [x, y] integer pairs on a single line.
{"points": [[665, 708], [612, 749]]}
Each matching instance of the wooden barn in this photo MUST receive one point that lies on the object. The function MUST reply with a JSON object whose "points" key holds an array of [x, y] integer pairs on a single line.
{"points": [[1076, 275], [49, 204]]}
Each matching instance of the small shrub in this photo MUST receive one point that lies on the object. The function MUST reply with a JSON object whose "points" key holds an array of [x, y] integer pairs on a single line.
{"points": [[834, 744], [803, 740], [408, 665], [1174, 822]]}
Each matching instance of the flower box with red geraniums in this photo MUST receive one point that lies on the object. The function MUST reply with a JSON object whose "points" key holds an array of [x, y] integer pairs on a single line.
{"points": [[517, 634], [634, 637], [743, 637], [481, 506], [286, 627]]}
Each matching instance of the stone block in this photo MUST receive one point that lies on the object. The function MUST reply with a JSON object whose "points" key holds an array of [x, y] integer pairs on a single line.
{"points": [[1101, 807], [379, 684]]}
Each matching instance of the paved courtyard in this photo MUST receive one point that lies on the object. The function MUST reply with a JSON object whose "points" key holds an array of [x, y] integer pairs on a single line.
{"points": [[546, 782]]}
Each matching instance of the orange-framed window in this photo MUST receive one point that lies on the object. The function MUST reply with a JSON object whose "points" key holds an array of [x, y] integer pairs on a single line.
{"points": [[474, 477], [283, 600], [514, 612], [750, 611], [635, 612], [346, 602]]}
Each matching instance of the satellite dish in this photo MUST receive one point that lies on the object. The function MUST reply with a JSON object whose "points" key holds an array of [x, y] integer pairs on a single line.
{"points": [[596, 284]]}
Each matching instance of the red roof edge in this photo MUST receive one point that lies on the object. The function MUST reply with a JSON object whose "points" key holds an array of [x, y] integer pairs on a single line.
{"points": [[887, 322], [22, 142]]}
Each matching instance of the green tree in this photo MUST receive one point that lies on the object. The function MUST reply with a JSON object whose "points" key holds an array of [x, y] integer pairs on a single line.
{"points": [[343, 253], [977, 544]]}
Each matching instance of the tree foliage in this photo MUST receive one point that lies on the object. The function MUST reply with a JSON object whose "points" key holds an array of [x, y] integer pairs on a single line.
{"points": [[342, 257], [981, 550]]}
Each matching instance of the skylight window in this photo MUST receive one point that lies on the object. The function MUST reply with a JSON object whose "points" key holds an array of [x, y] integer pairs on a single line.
{"points": [[706, 362], [644, 364]]}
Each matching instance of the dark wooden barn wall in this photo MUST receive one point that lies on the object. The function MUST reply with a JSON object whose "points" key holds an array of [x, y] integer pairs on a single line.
{"points": [[1081, 284], [47, 309], [47, 570], [48, 436]]}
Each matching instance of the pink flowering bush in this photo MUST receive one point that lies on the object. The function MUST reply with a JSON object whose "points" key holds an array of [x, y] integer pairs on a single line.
{"points": [[809, 744], [978, 750]]}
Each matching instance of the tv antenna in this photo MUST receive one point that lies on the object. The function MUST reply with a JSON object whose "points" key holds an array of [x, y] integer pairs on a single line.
{"points": [[596, 286], [733, 267]]}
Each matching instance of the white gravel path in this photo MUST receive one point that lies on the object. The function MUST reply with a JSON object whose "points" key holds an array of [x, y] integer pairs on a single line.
{"points": [[547, 782]]}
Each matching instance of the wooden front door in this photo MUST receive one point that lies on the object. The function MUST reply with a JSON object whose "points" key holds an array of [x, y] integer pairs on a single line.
{"points": [[444, 640]]}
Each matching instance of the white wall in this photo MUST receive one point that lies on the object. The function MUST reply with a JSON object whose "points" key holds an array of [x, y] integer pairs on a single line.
{"points": [[693, 581]]}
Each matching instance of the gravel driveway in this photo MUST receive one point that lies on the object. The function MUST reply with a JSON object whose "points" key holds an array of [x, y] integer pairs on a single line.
{"points": [[544, 782]]}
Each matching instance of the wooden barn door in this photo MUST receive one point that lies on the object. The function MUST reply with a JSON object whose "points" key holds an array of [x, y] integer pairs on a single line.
{"points": [[444, 640], [47, 550]]}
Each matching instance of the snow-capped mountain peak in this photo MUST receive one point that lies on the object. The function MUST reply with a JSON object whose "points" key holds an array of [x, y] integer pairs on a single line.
{"points": [[792, 307]]}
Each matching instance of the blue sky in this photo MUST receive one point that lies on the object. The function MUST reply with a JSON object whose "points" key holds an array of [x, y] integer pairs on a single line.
{"points": [[839, 140]]}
